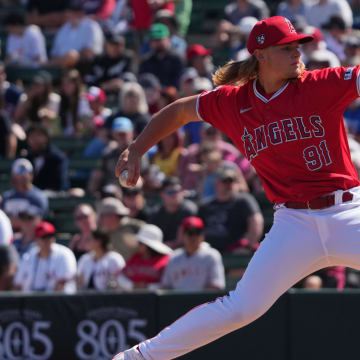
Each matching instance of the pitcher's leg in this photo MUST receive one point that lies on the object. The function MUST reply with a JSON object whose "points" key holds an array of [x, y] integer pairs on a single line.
{"points": [[291, 251]]}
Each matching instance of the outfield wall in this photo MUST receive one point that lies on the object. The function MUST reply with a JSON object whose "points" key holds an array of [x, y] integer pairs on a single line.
{"points": [[301, 325]]}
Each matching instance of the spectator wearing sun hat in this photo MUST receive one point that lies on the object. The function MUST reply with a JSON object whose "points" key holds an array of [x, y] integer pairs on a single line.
{"points": [[196, 266], [47, 266], [162, 61], [144, 269]]}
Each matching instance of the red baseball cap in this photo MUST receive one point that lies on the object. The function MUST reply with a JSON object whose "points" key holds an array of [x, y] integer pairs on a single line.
{"points": [[192, 222], [44, 228], [196, 50], [95, 93], [275, 30]]}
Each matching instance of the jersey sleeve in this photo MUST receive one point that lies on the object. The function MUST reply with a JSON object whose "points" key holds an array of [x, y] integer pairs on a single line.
{"points": [[219, 108], [66, 269], [339, 86]]}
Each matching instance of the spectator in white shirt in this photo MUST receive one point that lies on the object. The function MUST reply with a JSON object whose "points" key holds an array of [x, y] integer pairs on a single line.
{"points": [[99, 268], [80, 38], [321, 11], [25, 44], [48, 266], [196, 266]]}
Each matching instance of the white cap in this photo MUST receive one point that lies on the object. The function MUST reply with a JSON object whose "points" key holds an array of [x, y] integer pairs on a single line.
{"points": [[152, 236], [22, 166], [246, 24], [202, 83], [325, 55]]}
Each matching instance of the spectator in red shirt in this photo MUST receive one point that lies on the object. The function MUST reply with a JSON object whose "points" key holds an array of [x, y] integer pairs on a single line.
{"points": [[144, 269]]}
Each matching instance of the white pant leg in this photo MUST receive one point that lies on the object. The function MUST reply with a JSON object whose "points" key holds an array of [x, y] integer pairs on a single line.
{"points": [[339, 230], [290, 251]]}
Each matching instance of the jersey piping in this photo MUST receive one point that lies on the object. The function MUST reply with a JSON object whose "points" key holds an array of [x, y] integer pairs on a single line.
{"points": [[263, 98], [197, 108], [358, 82]]}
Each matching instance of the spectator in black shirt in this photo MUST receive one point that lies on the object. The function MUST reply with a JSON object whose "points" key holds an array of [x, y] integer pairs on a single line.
{"points": [[233, 221], [50, 164], [106, 70], [173, 210], [163, 62]]}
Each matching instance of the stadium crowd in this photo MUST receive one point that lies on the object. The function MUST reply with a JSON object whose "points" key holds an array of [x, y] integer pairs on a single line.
{"points": [[99, 70]]}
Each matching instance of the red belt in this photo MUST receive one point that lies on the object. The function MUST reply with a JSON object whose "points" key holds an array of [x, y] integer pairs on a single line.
{"points": [[319, 203]]}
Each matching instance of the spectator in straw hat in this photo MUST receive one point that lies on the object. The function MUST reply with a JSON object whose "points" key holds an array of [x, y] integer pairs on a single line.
{"points": [[146, 266]]}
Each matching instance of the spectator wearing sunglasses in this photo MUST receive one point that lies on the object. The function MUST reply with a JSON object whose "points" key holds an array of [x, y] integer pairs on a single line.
{"points": [[173, 209], [233, 221], [196, 266], [134, 200], [47, 266]]}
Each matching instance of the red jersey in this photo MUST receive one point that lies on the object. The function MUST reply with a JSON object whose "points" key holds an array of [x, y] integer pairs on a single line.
{"points": [[295, 139], [139, 269]]}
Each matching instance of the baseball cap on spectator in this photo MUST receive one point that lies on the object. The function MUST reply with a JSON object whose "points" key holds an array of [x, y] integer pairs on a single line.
{"points": [[196, 50], [30, 212], [22, 166], [190, 73], [201, 84], [44, 228], [314, 32], [114, 38], [324, 56], [149, 81], [193, 222], [335, 22], [352, 40], [158, 31], [122, 124], [152, 236], [96, 94], [128, 76], [246, 24], [42, 77], [171, 181], [111, 190], [300, 23], [275, 30], [224, 174], [166, 17], [112, 205]]}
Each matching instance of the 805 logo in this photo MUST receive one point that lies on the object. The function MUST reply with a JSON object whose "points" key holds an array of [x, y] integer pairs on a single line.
{"points": [[25, 339], [107, 337]]}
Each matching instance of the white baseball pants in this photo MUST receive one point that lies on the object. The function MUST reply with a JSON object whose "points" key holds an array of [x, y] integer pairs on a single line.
{"points": [[299, 243]]}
